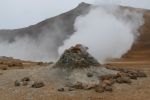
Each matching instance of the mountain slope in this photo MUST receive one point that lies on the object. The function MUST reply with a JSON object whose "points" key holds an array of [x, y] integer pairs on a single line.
{"points": [[61, 24], [61, 27], [141, 49]]}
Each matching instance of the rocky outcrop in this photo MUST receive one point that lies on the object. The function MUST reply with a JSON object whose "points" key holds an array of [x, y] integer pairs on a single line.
{"points": [[76, 57]]}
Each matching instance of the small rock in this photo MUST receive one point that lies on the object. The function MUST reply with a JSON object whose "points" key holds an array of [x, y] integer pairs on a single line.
{"points": [[132, 75], [38, 84], [17, 83], [61, 89], [89, 75], [141, 74]]}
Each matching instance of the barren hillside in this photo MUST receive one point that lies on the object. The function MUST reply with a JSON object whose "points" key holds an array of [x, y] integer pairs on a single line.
{"points": [[141, 49]]}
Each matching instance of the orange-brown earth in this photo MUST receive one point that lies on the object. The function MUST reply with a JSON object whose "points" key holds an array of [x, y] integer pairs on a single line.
{"points": [[140, 52]]}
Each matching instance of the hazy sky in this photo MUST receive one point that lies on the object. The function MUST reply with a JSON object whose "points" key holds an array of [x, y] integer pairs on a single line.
{"points": [[22, 13]]}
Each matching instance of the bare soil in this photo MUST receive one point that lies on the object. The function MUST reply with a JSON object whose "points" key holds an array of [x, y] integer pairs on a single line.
{"points": [[137, 90]]}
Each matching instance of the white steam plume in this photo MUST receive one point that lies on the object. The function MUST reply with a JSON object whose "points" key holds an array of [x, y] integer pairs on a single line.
{"points": [[109, 32], [29, 49]]}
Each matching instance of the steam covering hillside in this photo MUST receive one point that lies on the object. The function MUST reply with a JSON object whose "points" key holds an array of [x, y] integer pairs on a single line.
{"points": [[41, 41], [43, 38]]}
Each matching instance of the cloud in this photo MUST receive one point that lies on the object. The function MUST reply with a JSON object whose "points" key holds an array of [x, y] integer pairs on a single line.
{"points": [[22, 13], [133, 3]]}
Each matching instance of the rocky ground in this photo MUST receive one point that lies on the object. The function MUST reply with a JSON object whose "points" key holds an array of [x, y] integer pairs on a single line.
{"points": [[137, 90], [40, 81]]}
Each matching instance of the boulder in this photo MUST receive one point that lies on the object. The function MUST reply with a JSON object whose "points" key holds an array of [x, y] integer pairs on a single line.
{"points": [[17, 83]]}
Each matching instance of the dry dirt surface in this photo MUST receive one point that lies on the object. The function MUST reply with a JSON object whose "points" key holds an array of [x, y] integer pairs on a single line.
{"points": [[137, 90]]}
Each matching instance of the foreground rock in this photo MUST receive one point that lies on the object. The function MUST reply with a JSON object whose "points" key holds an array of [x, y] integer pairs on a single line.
{"points": [[26, 81], [38, 84], [17, 83], [76, 57]]}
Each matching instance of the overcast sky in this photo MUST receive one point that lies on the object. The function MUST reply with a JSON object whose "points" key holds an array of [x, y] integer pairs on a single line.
{"points": [[22, 13]]}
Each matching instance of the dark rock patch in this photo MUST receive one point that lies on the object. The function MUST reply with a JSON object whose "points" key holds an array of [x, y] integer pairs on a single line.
{"points": [[61, 89], [38, 84]]}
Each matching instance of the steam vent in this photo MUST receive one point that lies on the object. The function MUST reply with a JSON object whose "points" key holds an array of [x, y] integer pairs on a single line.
{"points": [[85, 72], [77, 57]]}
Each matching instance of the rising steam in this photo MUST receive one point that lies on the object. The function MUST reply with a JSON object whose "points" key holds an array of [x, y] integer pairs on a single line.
{"points": [[29, 49], [108, 31]]}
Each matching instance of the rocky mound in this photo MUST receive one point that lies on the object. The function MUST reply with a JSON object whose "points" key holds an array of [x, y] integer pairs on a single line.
{"points": [[76, 57], [85, 72]]}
